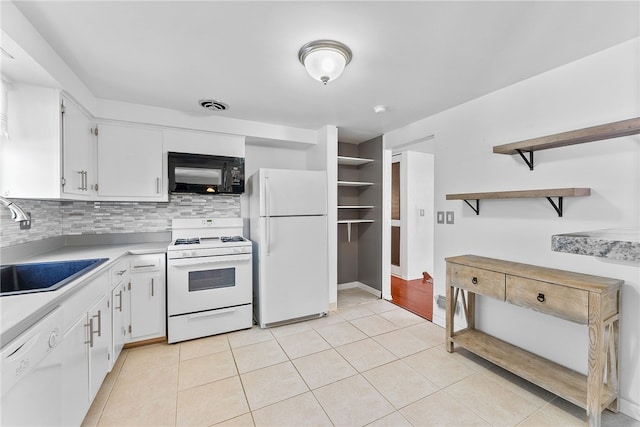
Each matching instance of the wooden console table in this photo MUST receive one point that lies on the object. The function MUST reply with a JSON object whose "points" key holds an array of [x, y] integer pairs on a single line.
{"points": [[590, 300]]}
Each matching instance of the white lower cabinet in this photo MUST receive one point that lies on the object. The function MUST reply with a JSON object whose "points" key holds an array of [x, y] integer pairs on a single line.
{"points": [[120, 307], [75, 369], [148, 319], [86, 348]]}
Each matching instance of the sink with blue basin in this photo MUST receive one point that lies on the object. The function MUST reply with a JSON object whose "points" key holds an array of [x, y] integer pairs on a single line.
{"points": [[43, 276]]}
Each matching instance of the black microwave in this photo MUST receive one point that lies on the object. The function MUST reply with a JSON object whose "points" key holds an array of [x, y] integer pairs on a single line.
{"points": [[205, 174]]}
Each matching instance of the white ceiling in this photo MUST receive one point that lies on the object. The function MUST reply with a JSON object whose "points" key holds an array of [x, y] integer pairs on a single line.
{"points": [[417, 58]]}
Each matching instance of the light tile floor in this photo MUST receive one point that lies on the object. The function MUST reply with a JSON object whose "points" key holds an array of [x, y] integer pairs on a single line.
{"points": [[368, 363]]}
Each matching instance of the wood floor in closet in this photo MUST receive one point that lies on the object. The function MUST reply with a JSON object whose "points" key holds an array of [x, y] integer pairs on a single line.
{"points": [[413, 295]]}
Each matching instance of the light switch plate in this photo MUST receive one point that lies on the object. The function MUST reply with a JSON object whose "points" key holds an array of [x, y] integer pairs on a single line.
{"points": [[440, 217], [449, 217]]}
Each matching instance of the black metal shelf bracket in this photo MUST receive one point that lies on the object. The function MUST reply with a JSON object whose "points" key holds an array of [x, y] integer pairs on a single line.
{"points": [[476, 209], [528, 161], [557, 207]]}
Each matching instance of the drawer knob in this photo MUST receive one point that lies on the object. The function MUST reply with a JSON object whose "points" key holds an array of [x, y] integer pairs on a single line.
{"points": [[474, 280], [541, 297]]}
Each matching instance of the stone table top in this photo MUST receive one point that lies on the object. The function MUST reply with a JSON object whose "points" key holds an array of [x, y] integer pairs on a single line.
{"points": [[621, 244]]}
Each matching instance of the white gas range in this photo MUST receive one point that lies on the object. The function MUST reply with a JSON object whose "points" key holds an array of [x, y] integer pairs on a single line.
{"points": [[209, 278]]}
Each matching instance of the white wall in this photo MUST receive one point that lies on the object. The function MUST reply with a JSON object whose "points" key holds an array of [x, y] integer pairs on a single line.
{"points": [[324, 156], [598, 89]]}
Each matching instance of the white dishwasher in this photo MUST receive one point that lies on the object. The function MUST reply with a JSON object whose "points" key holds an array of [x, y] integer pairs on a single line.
{"points": [[31, 369]]}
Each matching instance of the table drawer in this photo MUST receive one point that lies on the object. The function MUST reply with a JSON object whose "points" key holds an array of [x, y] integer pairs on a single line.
{"points": [[477, 280], [561, 301]]}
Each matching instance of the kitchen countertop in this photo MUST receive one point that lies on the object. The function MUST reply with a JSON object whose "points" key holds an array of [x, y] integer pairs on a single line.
{"points": [[19, 312], [620, 244]]}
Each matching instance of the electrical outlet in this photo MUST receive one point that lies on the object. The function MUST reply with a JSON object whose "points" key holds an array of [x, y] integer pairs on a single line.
{"points": [[440, 217], [449, 217], [26, 224]]}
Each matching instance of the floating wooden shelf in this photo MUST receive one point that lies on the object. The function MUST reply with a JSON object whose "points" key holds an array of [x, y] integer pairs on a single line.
{"points": [[355, 207], [544, 193], [354, 184], [580, 136], [353, 161]]}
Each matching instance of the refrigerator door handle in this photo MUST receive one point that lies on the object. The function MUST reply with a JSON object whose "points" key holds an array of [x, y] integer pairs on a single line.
{"points": [[266, 209]]}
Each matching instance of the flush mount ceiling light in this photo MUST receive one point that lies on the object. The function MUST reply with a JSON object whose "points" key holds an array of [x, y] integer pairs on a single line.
{"points": [[324, 59]]}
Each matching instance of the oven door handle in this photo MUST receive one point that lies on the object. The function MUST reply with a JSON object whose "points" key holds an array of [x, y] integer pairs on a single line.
{"points": [[190, 262]]}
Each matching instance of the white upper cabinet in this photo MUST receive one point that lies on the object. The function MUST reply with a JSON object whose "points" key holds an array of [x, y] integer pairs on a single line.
{"points": [[50, 152], [56, 150], [78, 151], [30, 158], [130, 163]]}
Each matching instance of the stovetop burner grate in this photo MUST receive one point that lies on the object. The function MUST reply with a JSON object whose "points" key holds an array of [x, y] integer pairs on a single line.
{"points": [[226, 239], [189, 241]]}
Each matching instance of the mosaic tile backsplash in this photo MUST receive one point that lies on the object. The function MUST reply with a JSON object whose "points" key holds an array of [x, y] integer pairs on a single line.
{"points": [[56, 218]]}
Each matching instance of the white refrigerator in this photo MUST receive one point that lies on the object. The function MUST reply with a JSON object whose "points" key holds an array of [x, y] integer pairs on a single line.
{"points": [[288, 228]]}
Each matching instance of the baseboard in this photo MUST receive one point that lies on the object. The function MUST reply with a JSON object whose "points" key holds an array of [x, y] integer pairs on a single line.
{"points": [[362, 286], [630, 409]]}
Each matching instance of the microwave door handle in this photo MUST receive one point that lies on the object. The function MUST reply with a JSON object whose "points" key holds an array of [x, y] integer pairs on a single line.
{"points": [[225, 171]]}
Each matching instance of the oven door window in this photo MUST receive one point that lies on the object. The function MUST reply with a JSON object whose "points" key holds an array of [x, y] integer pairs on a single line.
{"points": [[212, 279]]}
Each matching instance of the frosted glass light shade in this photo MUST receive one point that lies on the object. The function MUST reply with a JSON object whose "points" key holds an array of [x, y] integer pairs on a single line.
{"points": [[324, 60]]}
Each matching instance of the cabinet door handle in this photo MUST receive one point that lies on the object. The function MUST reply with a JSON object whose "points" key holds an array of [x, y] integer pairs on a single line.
{"points": [[120, 302], [86, 181], [474, 280], [99, 316], [121, 272], [157, 185], [81, 180], [540, 297], [144, 266], [90, 326], [152, 287]]}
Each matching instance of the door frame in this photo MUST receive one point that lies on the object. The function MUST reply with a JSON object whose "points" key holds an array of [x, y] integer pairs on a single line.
{"points": [[425, 145]]}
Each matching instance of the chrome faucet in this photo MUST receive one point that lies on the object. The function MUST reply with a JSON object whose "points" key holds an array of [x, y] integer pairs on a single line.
{"points": [[17, 213]]}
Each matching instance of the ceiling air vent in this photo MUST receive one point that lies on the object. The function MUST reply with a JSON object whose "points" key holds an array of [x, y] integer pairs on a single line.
{"points": [[213, 105]]}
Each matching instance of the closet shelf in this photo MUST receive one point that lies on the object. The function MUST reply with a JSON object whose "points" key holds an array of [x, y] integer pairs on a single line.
{"points": [[563, 139], [356, 207], [353, 221], [353, 161], [548, 193], [354, 184]]}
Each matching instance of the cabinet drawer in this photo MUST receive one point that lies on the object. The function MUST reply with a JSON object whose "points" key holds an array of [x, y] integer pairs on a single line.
{"points": [[561, 301], [119, 272], [477, 280], [152, 262]]}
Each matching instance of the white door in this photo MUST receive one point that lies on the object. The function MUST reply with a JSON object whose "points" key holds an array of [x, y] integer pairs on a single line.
{"points": [[292, 192], [120, 318], [79, 151], [293, 268], [99, 344], [147, 315], [396, 243], [75, 371]]}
